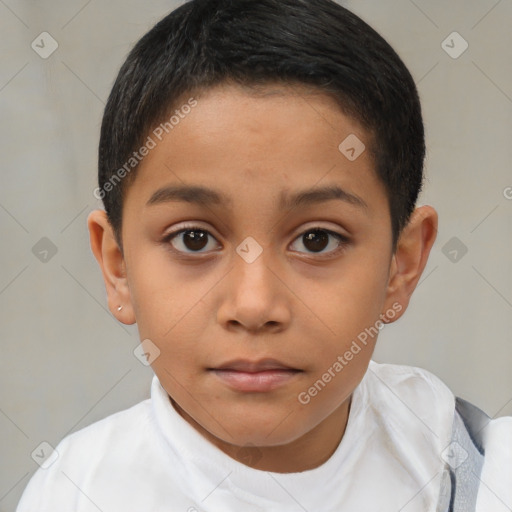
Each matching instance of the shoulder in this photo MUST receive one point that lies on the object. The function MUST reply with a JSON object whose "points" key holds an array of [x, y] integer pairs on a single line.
{"points": [[414, 385], [400, 388], [83, 455], [496, 489], [413, 409], [107, 433]]}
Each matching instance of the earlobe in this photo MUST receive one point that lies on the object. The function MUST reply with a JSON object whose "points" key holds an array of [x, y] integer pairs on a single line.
{"points": [[410, 258], [111, 261]]}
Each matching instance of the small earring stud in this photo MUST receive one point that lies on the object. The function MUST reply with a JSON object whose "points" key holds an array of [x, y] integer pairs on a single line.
{"points": [[119, 308]]}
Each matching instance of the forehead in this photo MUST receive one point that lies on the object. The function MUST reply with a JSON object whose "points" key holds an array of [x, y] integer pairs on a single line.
{"points": [[270, 141]]}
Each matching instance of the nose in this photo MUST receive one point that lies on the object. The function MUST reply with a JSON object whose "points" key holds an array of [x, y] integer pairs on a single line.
{"points": [[255, 296]]}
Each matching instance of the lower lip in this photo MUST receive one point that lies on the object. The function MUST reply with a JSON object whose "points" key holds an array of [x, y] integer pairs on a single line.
{"points": [[266, 380]]}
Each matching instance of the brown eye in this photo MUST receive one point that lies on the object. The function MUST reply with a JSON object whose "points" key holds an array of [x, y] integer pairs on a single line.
{"points": [[316, 240], [195, 240], [190, 240]]}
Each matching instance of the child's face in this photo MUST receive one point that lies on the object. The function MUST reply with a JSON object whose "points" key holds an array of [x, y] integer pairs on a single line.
{"points": [[205, 303]]}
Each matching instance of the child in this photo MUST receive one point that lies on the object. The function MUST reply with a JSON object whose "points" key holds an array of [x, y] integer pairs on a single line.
{"points": [[259, 164]]}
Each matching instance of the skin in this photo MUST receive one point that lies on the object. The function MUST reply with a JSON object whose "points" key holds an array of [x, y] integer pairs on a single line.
{"points": [[292, 303]]}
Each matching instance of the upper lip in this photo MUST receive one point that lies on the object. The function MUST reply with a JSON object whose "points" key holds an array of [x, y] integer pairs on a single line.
{"points": [[245, 365]]}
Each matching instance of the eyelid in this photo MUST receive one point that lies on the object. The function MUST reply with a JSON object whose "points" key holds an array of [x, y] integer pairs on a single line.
{"points": [[343, 239], [187, 226], [310, 226], [190, 226]]}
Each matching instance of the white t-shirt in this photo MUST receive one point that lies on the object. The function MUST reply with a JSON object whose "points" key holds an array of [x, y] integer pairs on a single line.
{"points": [[148, 458]]}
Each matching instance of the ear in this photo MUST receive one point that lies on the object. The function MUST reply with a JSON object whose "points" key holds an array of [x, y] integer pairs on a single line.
{"points": [[409, 260], [111, 261]]}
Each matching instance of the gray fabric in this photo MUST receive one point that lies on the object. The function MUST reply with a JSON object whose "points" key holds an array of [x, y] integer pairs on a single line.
{"points": [[475, 421], [464, 459], [445, 503]]}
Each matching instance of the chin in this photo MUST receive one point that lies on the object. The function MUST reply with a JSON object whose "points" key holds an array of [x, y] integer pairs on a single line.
{"points": [[259, 434]]}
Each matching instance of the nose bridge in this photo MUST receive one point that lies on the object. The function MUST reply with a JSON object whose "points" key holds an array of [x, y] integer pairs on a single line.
{"points": [[255, 296], [252, 269]]}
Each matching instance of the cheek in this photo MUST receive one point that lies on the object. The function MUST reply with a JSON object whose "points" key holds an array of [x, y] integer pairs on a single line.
{"points": [[164, 298], [350, 300], [171, 313], [346, 323]]}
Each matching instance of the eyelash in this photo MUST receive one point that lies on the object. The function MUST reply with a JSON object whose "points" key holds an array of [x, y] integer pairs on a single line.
{"points": [[343, 240]]}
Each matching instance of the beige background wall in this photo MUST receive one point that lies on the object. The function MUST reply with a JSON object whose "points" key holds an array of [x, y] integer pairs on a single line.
{"points": [[66, 362]]}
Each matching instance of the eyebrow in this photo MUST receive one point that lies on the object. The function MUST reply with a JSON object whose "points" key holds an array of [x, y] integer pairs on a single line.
{"points": [[198, 194], [189, 194], [320, 195]]}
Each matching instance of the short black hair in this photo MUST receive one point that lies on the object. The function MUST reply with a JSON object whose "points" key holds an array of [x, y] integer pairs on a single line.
{"points": [[255, 43]]}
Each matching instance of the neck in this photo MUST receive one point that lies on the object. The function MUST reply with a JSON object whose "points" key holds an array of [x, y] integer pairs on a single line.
{"points": [[307, 452]]}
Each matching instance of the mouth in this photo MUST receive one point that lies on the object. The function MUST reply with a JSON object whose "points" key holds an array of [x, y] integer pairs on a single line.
{"points": [[255, 376]]}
